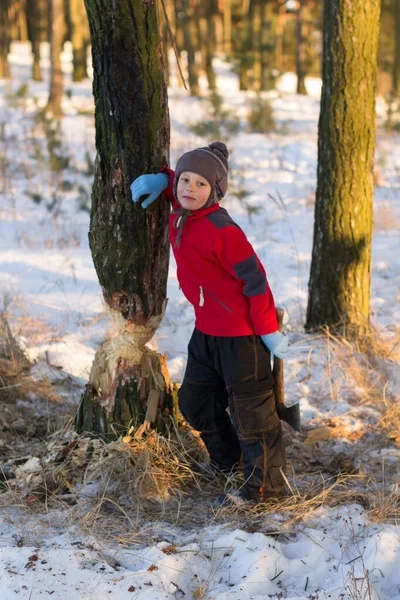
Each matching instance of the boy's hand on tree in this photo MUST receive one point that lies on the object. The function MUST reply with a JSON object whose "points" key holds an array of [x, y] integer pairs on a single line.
{"points": [[149, 185], [277, 343]]}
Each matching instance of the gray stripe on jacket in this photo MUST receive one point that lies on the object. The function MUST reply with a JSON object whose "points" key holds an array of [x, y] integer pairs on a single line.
{"points": [[255, 281]]}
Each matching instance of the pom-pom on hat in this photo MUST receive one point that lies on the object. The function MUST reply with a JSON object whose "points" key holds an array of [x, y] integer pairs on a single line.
{"points": [[211, 162]]}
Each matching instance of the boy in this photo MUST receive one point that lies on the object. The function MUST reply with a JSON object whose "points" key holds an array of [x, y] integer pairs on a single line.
{"points": [[236, 326]]}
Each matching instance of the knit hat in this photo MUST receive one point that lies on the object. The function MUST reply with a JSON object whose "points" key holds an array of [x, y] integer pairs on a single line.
{"points": [[211, 162]]}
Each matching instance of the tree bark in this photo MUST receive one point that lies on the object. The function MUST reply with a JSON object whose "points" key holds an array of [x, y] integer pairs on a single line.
{"points": [[79, 39], [130, 246], [33, 23], [396, 63], [339, 286], [5, 39], [56, 38]]}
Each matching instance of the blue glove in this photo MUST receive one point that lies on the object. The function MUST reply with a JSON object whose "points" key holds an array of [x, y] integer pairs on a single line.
{"points": [[277, 343], [151, 185]]}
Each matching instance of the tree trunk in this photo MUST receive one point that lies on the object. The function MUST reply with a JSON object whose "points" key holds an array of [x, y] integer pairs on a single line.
{"points": [[396, 63], [301, 49], [245, 48], [206, 32], [79, 39], [33, 23], [191, 43], [256, 32], [5, 39], [268, 42], [17, 13], [228, 27], [56, 38], [130, 246], [280, 26], [339, 286]]}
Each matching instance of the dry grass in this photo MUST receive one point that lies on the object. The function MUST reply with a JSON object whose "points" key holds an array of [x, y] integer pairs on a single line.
{"points": [[158, 478]]}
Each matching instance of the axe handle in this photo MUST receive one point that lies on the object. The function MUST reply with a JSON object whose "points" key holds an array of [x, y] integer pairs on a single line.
{"points": [[279, 384]]}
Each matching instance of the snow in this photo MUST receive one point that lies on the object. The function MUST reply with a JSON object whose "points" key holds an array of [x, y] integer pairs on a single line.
{"points": [[47, 278]]}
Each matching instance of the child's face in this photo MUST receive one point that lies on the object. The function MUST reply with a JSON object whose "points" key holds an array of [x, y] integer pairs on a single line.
{"points": [[193, 190]]}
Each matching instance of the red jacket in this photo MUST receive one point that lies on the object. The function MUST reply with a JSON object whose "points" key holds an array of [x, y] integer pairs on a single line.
{"points": [[220, 274]]}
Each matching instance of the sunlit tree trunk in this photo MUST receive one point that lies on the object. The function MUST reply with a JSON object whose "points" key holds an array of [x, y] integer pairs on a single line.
{"points": [[339, 286], [245, 46], [227, 27], [33, 22], [17, 13], [206, 30], [190, 37], [280, 26], [268, 39], [129, 245], [256, 32], [5, 38], [179, 35], [301, 49], [396, 63], [79, 39], [56, 35]]}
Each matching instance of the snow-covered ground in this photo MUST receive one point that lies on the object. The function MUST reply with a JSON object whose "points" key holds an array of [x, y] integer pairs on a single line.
{"points": [[50, 290]]}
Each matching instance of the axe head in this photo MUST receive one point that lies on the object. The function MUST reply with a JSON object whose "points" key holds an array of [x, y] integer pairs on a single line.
{"points": [[289, 414]]}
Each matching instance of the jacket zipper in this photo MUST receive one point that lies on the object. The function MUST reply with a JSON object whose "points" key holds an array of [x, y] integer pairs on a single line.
{"points": [[201, 303]]}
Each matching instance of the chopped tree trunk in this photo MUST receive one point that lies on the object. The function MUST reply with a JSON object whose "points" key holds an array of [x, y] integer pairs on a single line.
{"points": [[56, 35], [339, 287], [129, 245]]}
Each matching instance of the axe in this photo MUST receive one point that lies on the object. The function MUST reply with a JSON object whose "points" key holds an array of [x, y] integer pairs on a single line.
{"points": [[290, 414]]}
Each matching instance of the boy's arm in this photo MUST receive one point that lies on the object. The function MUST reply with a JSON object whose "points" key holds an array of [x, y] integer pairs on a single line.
{"points": [[169, 191], [237, 256], [152, 185]]}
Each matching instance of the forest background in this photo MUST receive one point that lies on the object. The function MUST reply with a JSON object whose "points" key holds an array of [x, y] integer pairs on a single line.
{"points": [[253, 75]]}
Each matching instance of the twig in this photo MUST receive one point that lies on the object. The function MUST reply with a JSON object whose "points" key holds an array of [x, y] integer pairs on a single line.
{"points": [[171, 35]]}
